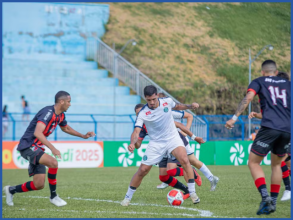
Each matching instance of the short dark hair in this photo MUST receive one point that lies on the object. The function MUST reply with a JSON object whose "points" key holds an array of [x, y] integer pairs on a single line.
{"points": [[22, 97], [60, 95], [283, 75], [150, 90], [269, 66], [140, 105]]}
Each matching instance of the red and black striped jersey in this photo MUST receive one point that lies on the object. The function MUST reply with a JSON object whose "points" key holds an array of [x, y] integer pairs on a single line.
{"points": [[48, 117]]}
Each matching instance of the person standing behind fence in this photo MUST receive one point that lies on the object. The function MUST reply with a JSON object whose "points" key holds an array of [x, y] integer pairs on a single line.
{"points": [[4, 120], [253, 135], [26, 109]]}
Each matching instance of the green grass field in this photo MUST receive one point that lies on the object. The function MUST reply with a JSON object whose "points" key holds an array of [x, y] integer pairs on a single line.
{"points": [[96, 193]]}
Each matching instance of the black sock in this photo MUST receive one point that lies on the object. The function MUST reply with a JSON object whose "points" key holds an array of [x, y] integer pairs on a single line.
{"points": [[52, 173], [171, 181], [28, 186], [285, 175]]}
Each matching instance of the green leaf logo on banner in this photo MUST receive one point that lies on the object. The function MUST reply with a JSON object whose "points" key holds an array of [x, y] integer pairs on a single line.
{"points": [[125, 158], [237, 154]]}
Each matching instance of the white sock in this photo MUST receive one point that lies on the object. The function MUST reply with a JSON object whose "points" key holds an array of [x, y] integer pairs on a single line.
{"points": [[206, 172], [191, 187], [129, 193]]}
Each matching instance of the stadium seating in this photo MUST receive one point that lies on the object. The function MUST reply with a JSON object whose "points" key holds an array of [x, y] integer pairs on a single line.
{"points": [[39, 67]]}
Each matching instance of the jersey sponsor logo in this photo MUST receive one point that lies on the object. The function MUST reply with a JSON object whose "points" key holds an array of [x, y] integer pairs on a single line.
{"points": [[274, 81], [262, 144], [166, 109], [165, 104], [47, 116], [148, 113]]}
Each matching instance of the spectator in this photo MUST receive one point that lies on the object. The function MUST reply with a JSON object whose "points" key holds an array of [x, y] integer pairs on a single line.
{"points": [[253, 135], [4, 121], [26, 109]]}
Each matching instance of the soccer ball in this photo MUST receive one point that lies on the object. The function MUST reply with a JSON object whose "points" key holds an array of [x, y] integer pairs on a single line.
{"points": [[175, 197]]}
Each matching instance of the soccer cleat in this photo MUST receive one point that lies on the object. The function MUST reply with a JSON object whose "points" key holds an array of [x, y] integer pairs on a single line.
{"points": [[286, 196], [162, 186], [198, 180], [125, 202], [214, 183], [265, 207], [57, 201], [9, 196], [185, 196], [194, 198]]}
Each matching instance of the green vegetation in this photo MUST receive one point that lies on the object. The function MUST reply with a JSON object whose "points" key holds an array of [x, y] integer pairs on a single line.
{"points": [[200, 54]]}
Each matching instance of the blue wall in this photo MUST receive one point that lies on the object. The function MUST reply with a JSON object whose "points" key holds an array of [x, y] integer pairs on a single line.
{"points": [[54, 28]]}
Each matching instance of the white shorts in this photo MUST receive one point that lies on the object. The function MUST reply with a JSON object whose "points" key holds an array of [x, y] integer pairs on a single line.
{"points": [[157, 150], [189, 149]]}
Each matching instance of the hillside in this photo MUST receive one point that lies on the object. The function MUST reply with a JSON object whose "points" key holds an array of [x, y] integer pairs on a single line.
{"points": [[199, 51]]}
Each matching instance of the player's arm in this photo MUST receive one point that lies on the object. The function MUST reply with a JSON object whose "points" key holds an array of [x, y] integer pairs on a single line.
{"points": [[138, 143], [241, 107], [69, 130], [134, 138], [255, 115], [180, 106], [189, 118], [40, 128], [183, 128]]}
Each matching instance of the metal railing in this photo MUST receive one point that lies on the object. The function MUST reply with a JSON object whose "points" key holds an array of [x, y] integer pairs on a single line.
{"points": [[100, 52], [102, 125]]}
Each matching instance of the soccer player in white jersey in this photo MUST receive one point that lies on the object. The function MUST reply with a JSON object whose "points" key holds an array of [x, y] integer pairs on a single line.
{"points": [[164, 139]]}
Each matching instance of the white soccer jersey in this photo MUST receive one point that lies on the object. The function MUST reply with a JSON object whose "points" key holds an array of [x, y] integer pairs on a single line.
{"points": [[177, 115], [159, 122]]}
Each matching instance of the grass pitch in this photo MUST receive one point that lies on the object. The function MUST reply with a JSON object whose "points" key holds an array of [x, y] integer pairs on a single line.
{"points": [[96, 193]]}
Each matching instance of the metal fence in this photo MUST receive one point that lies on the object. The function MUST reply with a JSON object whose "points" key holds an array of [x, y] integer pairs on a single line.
{"points": [[103, 124], [100, 52], [216, 130]]}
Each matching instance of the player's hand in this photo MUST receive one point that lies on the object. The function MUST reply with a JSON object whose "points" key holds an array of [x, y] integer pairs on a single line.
{"points": [[89, 134], [194, 105], [199, 140], [131, 148], [252, 115], [56, 153], [230, 124]]}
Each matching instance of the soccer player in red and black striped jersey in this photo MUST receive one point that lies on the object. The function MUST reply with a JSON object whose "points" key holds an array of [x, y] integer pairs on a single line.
{"points": [[275, 101], [286, 163], [31, 148]]}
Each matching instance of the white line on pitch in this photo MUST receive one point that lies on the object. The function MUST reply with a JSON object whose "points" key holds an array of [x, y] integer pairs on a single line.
{"points": [[202, 213], [113, 212]]}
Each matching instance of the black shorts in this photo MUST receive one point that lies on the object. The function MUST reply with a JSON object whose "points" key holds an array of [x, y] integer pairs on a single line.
{"points": [[268, 139], [166, 160], [33, 155]]}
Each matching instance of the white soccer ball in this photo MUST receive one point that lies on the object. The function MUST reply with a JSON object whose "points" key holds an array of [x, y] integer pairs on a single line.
{"points": [[175, 197]]}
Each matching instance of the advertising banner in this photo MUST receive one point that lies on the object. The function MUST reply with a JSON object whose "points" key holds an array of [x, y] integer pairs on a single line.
{"points": [[73, 155], [235, 153], [116, 153]]}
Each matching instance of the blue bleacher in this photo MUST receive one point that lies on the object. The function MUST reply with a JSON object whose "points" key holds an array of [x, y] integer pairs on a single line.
{"points": [[38, 60]]}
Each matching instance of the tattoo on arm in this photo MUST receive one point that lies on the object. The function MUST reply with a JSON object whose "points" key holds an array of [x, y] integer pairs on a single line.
{"points": [[242, 106], [180, 106]]}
